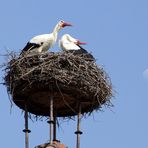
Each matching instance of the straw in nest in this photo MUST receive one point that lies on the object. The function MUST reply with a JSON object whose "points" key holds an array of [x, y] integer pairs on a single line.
{"points": [[70, 79]]}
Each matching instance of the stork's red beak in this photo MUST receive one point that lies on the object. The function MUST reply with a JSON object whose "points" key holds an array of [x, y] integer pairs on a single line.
{"points": [[66, 24], [80, 43]]}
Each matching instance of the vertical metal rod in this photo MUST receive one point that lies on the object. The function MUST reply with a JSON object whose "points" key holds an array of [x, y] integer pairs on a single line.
{"points": [[55, 130], [26, 130], [78, 132], [51, 119]]}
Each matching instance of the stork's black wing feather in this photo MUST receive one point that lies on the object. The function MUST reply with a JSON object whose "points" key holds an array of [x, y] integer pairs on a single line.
{"points": [[84, 52], [29, 46], [78, 51]]}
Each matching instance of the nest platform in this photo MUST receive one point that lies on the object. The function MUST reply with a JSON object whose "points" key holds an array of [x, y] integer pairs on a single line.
{"points": [[70, 79]]}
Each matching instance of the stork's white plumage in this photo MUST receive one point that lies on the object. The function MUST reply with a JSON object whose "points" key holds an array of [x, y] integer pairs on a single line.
{"points": [[42, 43], [70, 44]]}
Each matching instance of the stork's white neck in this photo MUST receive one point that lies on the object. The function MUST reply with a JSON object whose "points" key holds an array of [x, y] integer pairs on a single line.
{"points": [[56, 29]]}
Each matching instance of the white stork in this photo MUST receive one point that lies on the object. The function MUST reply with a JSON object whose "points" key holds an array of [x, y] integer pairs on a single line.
{"points": [[69, 44], [43, 42]]}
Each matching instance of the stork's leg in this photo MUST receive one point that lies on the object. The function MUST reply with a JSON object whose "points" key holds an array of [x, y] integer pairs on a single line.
{"points": [[26, 130], [78, 132]]}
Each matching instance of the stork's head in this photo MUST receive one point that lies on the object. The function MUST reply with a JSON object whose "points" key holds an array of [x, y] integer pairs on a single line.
{"points": [[75, 41], [62, 24]]}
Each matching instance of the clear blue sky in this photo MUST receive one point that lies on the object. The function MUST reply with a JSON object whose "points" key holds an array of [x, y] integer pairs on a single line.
{"points": [[117, 34]]}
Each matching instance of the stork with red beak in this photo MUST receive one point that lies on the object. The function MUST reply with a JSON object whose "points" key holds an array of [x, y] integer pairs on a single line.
{"points": [[70, 44], [41, 43]]}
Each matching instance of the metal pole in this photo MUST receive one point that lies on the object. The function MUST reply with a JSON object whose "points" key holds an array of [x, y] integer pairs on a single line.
{"points": [[78, 132], [26, 130], [51, 121], [54, 128]]}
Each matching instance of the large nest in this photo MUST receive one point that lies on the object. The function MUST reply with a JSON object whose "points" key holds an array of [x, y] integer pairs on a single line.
{"points": [[70, 79]]}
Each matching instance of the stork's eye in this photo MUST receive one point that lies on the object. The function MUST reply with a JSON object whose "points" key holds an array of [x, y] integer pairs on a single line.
{"points": [[42, 43]]}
